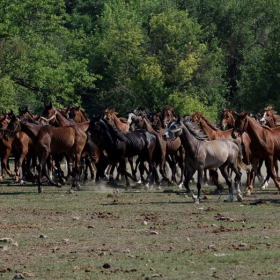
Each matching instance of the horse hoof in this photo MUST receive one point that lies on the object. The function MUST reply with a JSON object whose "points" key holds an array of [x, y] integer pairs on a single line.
{"points": [[58, 185], [248, 192], [158, 188], [239, 197], [180, 186], [196, 201], [70, 191], [228, 200]]}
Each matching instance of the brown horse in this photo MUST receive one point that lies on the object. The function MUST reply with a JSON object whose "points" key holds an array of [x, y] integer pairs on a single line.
{"points": [[5, 147], [265, 145], [68, 140], [110, 115], [75, 113], [270, 118], [168, 115], [52, 116], [227, 120]]}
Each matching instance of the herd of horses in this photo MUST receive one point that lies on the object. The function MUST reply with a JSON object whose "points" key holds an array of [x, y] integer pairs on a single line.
{"points": [[147, 142]]}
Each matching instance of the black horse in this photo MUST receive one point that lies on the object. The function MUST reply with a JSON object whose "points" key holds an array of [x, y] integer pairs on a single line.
{"points": [[121, 145]]}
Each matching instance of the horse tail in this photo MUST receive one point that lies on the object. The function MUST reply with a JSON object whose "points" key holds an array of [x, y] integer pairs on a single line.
{"points": [[240, 163]]}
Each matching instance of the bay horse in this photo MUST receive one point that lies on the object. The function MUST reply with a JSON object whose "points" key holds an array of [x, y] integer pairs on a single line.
{"points": [[48, 140], [202, 154], [227, 120], [265, 145], [53, 116]]}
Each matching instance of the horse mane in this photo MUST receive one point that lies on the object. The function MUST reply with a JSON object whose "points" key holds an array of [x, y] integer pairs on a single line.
{"points": [[213, 126], [194, 129], [275, 116], [33, 121]]}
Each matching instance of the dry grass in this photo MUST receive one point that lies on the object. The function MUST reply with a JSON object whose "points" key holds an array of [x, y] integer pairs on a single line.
{"points": [[98, 234]]}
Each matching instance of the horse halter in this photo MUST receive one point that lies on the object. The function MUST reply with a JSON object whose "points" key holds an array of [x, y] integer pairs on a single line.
{"points": [[51, 118]]}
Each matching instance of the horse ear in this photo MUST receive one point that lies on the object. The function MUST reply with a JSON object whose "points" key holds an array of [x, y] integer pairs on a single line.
{"points": [[51, 104]]}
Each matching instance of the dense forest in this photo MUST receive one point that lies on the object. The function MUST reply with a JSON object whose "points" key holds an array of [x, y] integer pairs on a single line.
{"points": [[194, 55]]}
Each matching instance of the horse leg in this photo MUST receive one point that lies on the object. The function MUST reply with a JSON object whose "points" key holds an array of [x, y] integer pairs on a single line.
{"points": [[224, 172], [189, 172], [269, 162], [254, 163], [215, 177], [237, 181], [5, 162], [200, 171]]}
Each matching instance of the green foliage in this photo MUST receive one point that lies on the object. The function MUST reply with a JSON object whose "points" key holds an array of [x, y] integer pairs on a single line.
{"points": [[185, 104], [123, 54]]}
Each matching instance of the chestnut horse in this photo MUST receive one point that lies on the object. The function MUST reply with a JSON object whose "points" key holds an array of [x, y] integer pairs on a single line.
{"points": [[270, 118], [227, 120], [48, 140], [168, 115], [265, 145]]}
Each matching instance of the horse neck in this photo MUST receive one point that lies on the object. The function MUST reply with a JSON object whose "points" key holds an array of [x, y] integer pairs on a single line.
{"points": [[211, 133], [254, 130], [30, 129], [271, 123], [120, 125], [79, 118], [189, 142], [62, 121]]}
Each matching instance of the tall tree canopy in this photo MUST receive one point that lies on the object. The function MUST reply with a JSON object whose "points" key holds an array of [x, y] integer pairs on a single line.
{"points": [[190, 54]]}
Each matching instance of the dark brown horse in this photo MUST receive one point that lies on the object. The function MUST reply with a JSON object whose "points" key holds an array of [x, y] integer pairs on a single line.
{"points": [[265, 145], [48, 140], [227, 120]]}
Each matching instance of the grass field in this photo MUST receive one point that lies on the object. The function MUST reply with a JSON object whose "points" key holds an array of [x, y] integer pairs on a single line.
{"points": [[101, 233]]}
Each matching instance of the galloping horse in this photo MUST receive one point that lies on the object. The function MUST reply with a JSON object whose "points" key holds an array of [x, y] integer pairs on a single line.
{"points": [[51, 115], [227, 120], [121, 145], [69, 140], [265, 145], [202, 154]]}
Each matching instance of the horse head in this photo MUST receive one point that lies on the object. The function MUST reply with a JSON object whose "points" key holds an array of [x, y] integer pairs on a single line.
{"points": [[174, 130], [49, 114], [168, 115], [227, 120]]}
